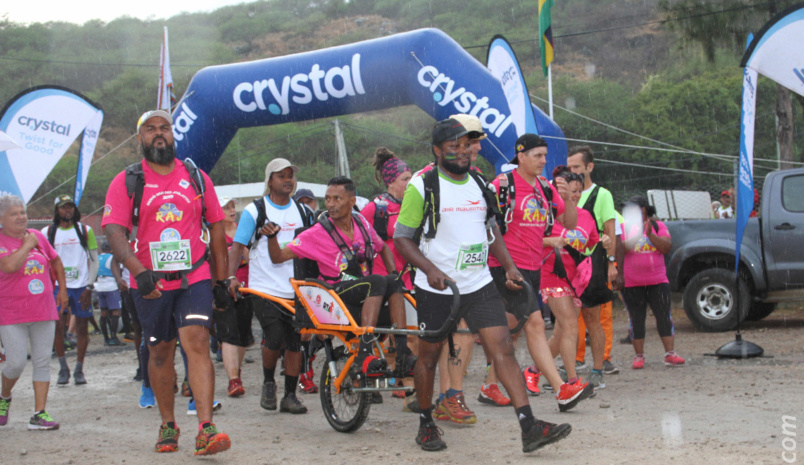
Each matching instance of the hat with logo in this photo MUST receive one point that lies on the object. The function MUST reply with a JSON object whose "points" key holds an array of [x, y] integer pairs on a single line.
{"points": [[448, 129], [154, 113], [224, 201], [526, 142], [302, 193], [472, 124], [63, 200]]}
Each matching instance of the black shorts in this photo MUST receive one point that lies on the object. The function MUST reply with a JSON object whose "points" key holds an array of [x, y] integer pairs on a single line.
{"points": [[161, 318], [516, 301], [127, 302], [233, 325], [354, 292], [277, 325], [481, 309]]}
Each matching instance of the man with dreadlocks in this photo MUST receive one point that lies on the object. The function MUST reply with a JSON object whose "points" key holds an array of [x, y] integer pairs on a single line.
{"points": [[78, 250]]}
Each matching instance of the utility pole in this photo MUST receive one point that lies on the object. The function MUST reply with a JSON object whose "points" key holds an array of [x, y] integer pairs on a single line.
{"points": [[343, 159]]}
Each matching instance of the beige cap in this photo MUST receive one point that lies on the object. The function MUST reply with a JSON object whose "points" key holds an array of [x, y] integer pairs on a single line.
{"points": [[472, 124], [154, 113], [276, 165]]}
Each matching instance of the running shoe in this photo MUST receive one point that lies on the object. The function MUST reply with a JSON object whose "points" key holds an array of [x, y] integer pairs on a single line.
{"points": [[268, 397], [64, 377], [609, 368], [596, 380], [429, 438], [5, 404], [570, 394], [42, 421], [455, 410], [147, 398], [543, 433], [236, 388], [291, 404], [672, 359], [532, 381], [211, 441], [398, 394], [168, 439], [306, 383], [192, 411], [639, 362], [138, 374], [128, 337], [78, 378], [493, 396]]}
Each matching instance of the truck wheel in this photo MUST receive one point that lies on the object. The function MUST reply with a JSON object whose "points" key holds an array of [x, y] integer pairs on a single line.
{"points": [[710, 300], [760, 310]]}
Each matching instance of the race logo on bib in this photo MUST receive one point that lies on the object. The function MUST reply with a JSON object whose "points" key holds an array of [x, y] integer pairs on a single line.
{"points": [[36, 287], [168, 212], [169, 234]]}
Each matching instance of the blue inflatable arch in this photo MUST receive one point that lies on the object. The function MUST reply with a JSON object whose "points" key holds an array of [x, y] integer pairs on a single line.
{"points": [[423, 67]]}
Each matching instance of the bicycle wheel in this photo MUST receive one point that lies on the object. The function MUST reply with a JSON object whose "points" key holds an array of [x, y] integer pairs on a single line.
{"points": [[347, 411]]}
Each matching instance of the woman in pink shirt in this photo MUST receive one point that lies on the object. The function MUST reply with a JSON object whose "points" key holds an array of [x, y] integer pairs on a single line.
{"points": [[646, 281], [27, 308]]}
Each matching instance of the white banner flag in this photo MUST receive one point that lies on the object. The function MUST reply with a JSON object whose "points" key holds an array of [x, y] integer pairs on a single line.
{"points": [[776, 51], [88, 143], [165, 99]]}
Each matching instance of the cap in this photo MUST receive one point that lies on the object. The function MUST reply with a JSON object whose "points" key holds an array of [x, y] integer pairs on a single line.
{"points": [[278, 164], [301, 193], [225, 200], [725, 194], [63, 200], [526, 142], [448, 129], [153, 113], [472, 124]]}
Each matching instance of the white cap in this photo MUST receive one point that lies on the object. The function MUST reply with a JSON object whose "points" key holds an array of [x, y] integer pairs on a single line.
{"points": [[151, 114]]}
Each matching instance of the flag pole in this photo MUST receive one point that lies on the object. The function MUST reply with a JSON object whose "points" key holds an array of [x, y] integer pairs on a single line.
{"points": [[550, 88]]}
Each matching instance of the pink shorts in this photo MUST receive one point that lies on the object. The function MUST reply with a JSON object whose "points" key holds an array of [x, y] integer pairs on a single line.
{"points": [[557, 292]]}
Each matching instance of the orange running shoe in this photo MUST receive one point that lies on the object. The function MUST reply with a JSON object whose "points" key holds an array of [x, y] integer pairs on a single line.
{"points": [[532, 381], [236, 388], [210, 441], [493, 396], [168, 439], [454, 409]]}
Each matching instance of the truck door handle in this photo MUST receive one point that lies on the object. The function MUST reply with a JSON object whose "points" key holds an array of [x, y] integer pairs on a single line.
{"points": [[784, 227]]}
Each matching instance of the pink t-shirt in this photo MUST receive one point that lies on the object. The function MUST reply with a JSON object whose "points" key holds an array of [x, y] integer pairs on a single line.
{"points": [[644, 264], [170, 212], [399, 260], [27, 294], [526, 229], [583, 238], [316, 244]]}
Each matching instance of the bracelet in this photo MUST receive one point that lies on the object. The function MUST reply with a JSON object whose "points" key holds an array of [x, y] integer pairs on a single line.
{"points": [[232, 278]]}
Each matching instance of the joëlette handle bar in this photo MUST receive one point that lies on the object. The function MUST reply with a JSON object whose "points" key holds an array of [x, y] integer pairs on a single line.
{"points": [[439, 333]]}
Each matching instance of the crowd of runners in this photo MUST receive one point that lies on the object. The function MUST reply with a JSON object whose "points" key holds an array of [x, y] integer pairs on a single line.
{"points": [[175, 256]]}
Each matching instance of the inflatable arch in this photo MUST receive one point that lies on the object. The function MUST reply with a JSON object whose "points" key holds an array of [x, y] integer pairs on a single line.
{"points": [[423, 67]]}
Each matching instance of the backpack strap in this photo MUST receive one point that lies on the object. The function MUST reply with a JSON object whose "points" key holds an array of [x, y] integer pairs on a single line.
{"points": [[51, 234], [259, 222], [551, 212], [432, 207], [506, 200], [135, 183], [353, 266], [589, 205], [381, 216]]}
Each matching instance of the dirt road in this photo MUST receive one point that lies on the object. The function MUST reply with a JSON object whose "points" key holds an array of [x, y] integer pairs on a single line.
{"points": [[710, 411]]}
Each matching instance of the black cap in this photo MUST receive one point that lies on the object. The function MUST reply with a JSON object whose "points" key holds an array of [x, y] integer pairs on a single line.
{"points": [[448, 129], [526, 142]]}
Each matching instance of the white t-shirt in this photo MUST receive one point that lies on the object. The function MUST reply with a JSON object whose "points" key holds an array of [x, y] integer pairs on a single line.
{"points": [[727, 212], [263, 274], [460, 246], [74, 258]]}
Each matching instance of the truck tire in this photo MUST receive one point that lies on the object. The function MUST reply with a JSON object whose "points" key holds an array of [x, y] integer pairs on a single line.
{"points": [[710, 300], [760, 310]]}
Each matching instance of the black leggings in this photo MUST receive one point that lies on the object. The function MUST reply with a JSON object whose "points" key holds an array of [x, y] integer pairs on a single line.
{"points": [[637, 300]]}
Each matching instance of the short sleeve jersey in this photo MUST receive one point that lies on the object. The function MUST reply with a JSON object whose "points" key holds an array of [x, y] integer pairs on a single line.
{"points": [[528, 222], [263, 274], [106, 281], [27, 294], [604, 205], [170, 217], [393, 216], [460, 246], [583, 238], [73, 255], [644, 264], [316, 244]]}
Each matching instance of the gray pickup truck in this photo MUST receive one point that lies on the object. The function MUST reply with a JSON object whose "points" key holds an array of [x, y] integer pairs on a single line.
{"points": [[701, 261]]}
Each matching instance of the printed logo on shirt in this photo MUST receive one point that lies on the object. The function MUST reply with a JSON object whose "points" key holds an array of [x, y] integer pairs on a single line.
{"points": [[36, 287], [3, 250], [169, 235], [577, 239], [644, 246], [33, 267], [295, 242], [168, 212], [533, 211], [184, 184], [107, 210]]}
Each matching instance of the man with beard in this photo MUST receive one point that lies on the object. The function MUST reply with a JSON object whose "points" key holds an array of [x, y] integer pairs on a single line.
{"points": [[173, 288], [78, 250], [458, 252]]}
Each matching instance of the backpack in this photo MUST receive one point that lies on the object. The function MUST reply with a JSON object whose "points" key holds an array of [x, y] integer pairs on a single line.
{"points": [[308, 219], [135, 183], [507, 200], [353, 262], [381, 214], [597, 292], [432, 204]]}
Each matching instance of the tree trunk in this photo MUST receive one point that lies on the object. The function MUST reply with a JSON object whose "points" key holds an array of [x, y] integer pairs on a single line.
{"points": [[784, 127]]}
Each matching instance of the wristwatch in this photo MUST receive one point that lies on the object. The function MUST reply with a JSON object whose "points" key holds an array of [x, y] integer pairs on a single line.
{"points": [[225, 283], [90, 286], [612, 259]]}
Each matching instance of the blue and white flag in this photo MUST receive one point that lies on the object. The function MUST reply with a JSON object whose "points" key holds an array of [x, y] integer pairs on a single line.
{"points": [[745, 185], [777, 52], [45, 121], [88, 142]]}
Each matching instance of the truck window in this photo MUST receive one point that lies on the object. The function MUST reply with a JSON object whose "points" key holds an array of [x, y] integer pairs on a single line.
{"points": [[792, 187]]}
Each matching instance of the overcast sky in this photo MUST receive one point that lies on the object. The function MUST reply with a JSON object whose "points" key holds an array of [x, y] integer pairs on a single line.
{"points": [[81, 11]]}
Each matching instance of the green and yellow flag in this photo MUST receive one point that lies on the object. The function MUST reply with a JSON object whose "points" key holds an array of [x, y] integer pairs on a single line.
{"points": [[545, 34]]}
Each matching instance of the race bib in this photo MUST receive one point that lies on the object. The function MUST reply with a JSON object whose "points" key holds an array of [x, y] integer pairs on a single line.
{"points": [[71, 272], [472, 257], [171, 255]]}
